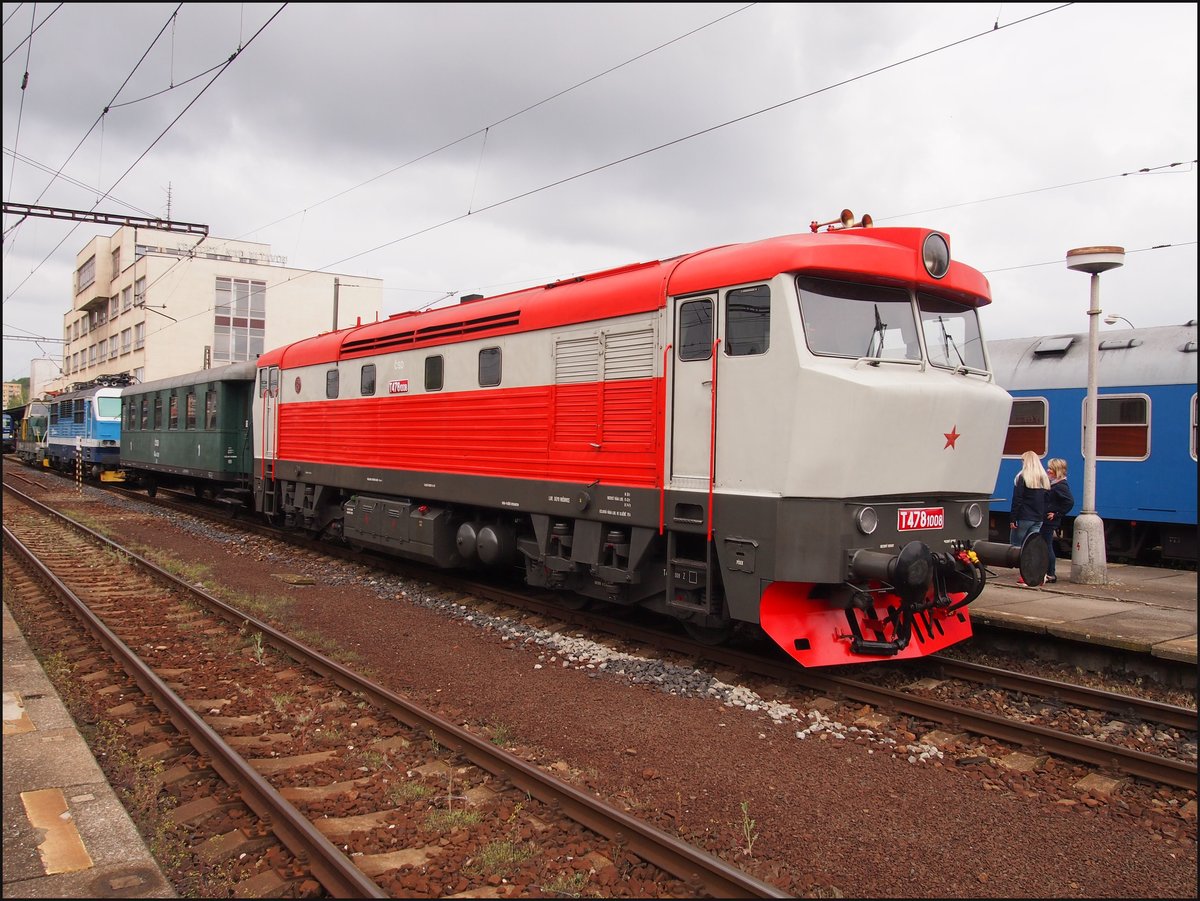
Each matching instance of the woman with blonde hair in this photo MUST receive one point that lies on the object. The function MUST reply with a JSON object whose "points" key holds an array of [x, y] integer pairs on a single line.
{"points": [[1031, 489], [1058, 505]]}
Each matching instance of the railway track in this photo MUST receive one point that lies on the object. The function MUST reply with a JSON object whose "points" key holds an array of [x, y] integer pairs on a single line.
{"points": [[326, 778], [1040, 714]]}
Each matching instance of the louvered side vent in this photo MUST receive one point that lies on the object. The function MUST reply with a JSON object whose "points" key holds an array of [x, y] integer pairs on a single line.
{"points": [[629, 355], [577, 360]]}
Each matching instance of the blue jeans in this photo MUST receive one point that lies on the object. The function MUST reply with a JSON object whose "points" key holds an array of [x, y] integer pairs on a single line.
{"points": [[1048, 534], [1024, 527]]}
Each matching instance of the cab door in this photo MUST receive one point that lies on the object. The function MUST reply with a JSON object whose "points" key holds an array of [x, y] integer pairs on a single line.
{"points": [[692, 395], [268, 397]]}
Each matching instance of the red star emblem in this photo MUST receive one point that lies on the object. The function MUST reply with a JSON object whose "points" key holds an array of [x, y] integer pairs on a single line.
{"points": [[951, 436]]}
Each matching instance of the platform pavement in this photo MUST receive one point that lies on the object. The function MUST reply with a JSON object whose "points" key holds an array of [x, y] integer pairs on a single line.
{"points": [[66, 835], [1141, 609]]}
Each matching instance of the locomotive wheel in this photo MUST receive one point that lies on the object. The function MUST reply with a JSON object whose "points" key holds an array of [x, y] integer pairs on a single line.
{"points": [[710, 636]]}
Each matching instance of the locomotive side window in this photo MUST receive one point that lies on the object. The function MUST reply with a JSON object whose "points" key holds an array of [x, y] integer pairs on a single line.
{"points": [[173, 412], [696, 330], [210, 409], [80, 409], [189, 411], [332, 383], [489, 367], [748, 321], [842, 319], [262, 383], [433, 373], [1123, 427], [366, 380], [1026, 428]]}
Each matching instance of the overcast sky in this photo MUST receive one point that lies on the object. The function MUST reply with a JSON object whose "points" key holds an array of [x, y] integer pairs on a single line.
{"points": [[483, 148]]}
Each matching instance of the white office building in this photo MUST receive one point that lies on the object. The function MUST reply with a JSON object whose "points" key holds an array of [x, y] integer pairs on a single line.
{"points": [[156, 304]]}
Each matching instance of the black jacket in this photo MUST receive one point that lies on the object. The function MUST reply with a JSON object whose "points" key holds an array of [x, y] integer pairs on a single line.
{"points": [[1060, 502], [1028, 504]]}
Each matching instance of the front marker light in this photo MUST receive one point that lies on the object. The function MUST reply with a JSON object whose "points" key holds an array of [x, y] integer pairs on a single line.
{"points": [[973, 514], [867, 520]]}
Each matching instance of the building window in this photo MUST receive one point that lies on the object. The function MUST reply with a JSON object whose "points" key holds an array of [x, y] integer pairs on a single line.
{"points": [[139, 375], [83, 326], [86, 275], [91, 354], [433, 373], [139, 336], [113, 348], [1026, 428], [366, 380], [239, 320], [116, 261], [126, 340], [139, 290], [126, 298]]}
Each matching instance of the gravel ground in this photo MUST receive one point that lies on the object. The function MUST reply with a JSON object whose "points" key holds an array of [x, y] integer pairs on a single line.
{"points": [[815, 806]]}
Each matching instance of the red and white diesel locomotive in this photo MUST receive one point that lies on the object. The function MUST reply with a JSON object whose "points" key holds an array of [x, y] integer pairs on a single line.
{"points": [[800, 433]]}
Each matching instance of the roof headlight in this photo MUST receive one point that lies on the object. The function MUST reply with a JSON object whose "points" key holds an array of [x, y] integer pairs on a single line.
{"points": [[973, 514], [936, 254], [867, 520]]}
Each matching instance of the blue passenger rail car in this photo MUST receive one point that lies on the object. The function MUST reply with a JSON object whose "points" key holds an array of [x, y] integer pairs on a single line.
{"points": [[85, 425], [1145, 434]]}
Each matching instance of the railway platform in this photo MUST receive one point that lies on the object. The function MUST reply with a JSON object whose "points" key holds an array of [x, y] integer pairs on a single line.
{"points": [[1141, 609], [66, 835]]}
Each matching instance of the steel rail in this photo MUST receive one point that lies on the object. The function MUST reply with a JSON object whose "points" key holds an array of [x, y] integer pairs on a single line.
{"points": [[330, 866]]}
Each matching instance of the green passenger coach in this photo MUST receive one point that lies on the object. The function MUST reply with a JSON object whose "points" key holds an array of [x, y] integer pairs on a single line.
{"points": [[190, 432]]}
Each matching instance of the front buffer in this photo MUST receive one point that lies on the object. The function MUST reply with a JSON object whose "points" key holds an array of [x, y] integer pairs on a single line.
{"points": [[892, 606]]}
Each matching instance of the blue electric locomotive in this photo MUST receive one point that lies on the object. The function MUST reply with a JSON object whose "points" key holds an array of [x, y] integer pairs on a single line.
{"points": [[85, 427], [1145, 433]]}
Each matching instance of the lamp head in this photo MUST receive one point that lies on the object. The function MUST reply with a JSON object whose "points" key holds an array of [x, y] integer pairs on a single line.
{"points": [[1095, 259]]}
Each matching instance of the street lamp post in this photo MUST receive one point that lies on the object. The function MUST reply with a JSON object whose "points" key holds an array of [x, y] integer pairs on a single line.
{"points": [[1089, 563]]}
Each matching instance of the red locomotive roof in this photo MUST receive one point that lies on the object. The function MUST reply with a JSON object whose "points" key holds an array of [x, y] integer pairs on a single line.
{"points": [[887, 254]]}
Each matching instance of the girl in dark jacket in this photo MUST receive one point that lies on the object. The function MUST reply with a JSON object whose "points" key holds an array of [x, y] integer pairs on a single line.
{"points": [[1031, 488], [1058, 505]]}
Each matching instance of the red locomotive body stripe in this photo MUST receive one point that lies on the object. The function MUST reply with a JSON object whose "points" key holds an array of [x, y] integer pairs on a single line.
{"points": [[577, 433]]}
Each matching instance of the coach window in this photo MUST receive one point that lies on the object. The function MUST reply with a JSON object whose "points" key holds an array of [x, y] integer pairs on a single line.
{"points": [[145, 405], [332, 383], [1122, 427], [433, 373], [156, 423], [1193, 426], [366, 380], [489, 367], [210, 409], [1026, 428], [748, 321], [131, 415], [189, 411], [173, 412], [696, 330]]}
